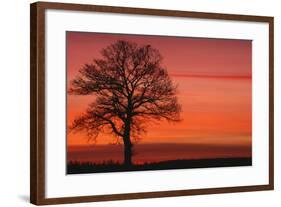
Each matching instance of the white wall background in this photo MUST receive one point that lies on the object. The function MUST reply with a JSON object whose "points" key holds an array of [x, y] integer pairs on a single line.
{"points": [[14, 104]]}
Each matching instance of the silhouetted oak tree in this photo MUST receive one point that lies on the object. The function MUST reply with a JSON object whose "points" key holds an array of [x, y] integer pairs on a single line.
{"points": [[130, 88]]}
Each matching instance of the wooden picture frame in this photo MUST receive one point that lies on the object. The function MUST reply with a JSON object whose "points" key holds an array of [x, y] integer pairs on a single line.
{"points": [[38, 98]]}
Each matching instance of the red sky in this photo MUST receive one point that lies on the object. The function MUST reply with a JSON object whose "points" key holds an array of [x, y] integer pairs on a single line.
{"points": [[214, 84]]}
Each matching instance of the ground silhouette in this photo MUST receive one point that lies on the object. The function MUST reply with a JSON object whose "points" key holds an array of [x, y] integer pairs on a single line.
{"points": [[111, 166]]}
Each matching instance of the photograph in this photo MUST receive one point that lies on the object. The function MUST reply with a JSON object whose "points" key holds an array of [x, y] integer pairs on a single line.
{"points": [[148, 102], [182, 99]]}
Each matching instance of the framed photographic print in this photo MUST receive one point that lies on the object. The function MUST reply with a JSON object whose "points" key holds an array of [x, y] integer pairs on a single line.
{"points": [[131, 103]]}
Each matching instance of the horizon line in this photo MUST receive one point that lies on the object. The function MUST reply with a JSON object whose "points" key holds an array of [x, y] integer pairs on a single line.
{"points": [[160, 143]]}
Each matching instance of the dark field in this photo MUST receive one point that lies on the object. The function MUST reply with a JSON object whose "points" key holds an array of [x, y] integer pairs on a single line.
{"points": [[111, 166]]}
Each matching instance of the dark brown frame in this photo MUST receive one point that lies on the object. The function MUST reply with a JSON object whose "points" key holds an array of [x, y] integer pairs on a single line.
{"points": [[37, 102]]}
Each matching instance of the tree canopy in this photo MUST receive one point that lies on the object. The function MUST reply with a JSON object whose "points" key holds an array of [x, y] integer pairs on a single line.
{"points": [[130, 87]]}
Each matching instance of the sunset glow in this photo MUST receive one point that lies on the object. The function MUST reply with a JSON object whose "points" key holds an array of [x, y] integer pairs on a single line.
{"points": [[214, 80]]}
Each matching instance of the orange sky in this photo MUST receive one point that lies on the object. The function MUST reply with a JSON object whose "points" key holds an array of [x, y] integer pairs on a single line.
{"points": [[214, 84]]}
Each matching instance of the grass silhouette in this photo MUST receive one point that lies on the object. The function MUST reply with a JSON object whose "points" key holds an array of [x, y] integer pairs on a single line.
{"points": [[111, 166]]}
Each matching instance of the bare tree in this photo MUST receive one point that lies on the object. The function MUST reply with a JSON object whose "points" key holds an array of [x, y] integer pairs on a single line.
{"points": [[130, 88]]}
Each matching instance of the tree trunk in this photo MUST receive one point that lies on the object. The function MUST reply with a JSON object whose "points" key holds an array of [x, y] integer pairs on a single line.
{"points": [[128, 153], [127, 145]]}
